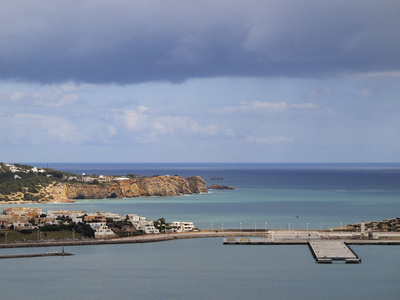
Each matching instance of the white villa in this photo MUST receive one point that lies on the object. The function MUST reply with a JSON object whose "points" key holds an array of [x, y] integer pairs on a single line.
{"points": [[142, 224], [182, 226], [102, 231]]}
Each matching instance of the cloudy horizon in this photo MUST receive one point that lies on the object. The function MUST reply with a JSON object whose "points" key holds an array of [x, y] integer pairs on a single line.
{"points": [[199, 81]]}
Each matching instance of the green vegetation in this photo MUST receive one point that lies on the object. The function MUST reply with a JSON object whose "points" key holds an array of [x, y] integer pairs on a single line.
{"points": [[161, 225], [13, 235], [24, 180]]}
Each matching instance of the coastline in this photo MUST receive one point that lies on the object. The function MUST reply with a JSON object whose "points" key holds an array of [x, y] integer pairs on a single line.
{"points": [[40, 202], [270, 237]]}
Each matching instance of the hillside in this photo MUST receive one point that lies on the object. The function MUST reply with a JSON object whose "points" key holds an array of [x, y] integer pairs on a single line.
{"points": [[19, 183], [384, 225]]}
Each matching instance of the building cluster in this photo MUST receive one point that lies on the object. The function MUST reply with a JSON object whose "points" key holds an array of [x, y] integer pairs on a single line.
{"points": [[15, 169], [19, 218], [24, 169], [100, 178]]}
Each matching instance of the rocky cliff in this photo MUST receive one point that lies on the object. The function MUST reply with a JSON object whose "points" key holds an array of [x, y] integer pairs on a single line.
{"points": [[138, 187]]}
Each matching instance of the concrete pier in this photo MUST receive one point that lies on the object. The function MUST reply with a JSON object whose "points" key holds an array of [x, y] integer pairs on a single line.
{"points": [[325, 251]]}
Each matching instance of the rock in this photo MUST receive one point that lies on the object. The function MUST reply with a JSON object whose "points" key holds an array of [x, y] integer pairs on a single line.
{"points": [[220, 187], [137, 187]]}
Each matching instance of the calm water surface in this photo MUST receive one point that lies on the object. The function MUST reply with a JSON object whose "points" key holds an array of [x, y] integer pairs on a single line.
{"points": [[267, 195], [199, 269]]}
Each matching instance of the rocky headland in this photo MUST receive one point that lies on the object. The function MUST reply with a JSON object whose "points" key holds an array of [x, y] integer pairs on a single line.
{"points": [[138, 187], [64, 191]]}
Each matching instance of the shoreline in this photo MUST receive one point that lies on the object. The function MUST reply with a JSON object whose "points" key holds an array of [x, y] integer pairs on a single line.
{"points": [[271, 237], [40, 202]]}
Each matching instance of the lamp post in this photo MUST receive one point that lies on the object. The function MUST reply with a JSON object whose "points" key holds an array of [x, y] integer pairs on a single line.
{"points": [[255, 226], [240, 226], [212, 226], [38, 231], [297, 221], [340, 229]]}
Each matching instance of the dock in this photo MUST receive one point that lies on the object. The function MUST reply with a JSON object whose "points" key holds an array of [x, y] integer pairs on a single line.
{"points": [[325, 251], [246, 241], [36, 255]]}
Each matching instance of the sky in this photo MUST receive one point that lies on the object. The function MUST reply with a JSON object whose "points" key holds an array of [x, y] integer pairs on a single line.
{"points": [[199, 81]]}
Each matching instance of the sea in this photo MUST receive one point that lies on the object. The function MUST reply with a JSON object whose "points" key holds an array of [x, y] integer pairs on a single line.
{"points": [[267, 196]]}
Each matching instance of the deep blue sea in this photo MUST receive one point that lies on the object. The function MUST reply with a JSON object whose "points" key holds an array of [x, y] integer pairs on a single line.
{"points": [[266, 195]]}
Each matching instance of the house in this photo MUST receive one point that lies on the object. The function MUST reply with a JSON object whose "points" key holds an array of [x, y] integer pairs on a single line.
{"points": [[102, 231], [76, 216], [142, 224], [23, 211], [182, 226]]}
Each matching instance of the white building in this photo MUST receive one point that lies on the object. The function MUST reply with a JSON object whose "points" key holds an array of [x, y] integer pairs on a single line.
{"points": [[142, 224], [115, 217], [76, 216], [182, 226], [102, 231]]}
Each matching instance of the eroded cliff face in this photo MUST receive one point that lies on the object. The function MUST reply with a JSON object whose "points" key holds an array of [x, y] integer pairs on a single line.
{"points": [[138, 187]]}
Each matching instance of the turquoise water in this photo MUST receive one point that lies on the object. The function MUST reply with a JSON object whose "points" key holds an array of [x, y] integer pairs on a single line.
{"points": [[266, 195]]}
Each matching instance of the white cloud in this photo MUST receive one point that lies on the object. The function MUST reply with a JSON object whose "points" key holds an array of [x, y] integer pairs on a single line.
{"points": [[132, 119], [55, 99], [36, 129], [365, 92], [16, 96], [269, 140], [68, 87], [268, 107], [264, 107], [307, 105], [326, 93], [170, 125], [11, 96], [378, 74]]}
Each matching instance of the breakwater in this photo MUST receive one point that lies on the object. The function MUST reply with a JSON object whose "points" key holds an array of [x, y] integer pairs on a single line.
{"points": [[131, 240], [272, 237], [36, 255]]}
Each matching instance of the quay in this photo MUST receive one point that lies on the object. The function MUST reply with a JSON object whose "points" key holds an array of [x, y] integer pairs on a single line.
{"points": [[36, 255], [325, 251], [325, 246]]}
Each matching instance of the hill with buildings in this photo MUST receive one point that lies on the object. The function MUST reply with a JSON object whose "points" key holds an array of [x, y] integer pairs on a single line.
{"points": [[23, 183]]}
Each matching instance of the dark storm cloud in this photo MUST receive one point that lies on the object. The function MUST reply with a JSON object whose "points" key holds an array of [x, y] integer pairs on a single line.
{"points": [[139, 41]]}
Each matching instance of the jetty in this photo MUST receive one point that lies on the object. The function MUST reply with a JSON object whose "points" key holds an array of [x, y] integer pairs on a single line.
{"points": [[62, 253], [324, 250], [247, 241], [36, 255], [328, 251]]}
